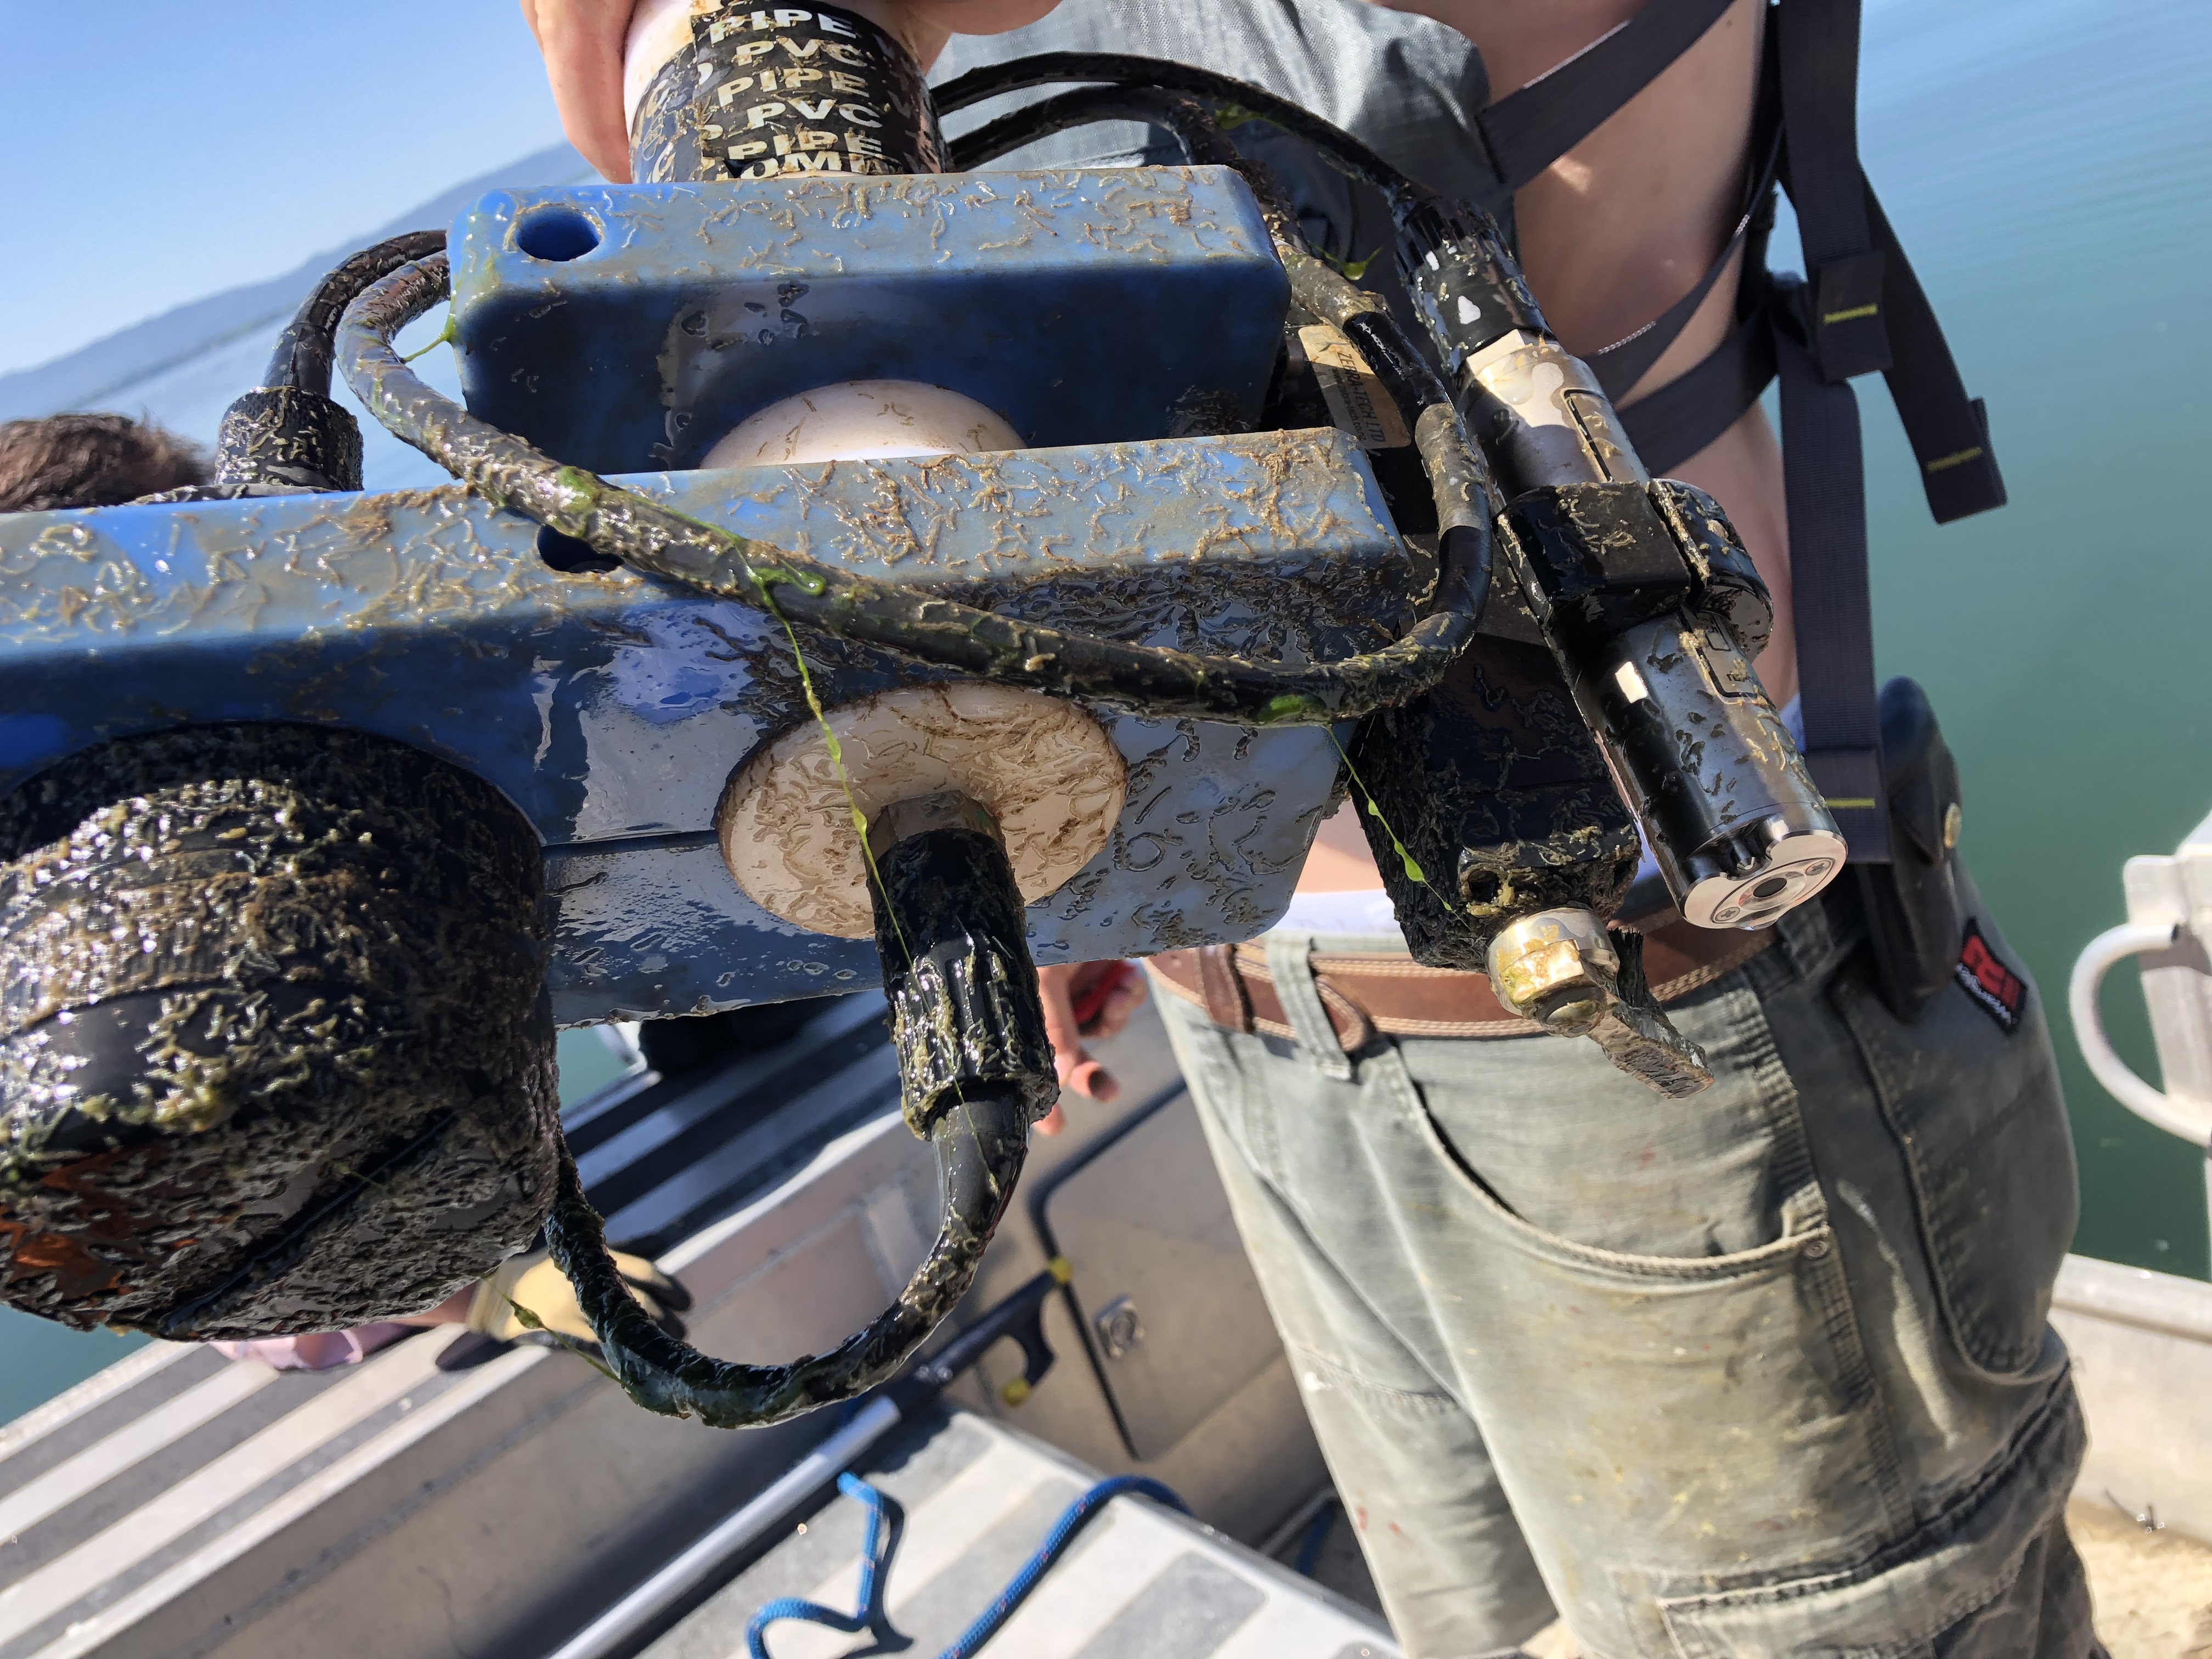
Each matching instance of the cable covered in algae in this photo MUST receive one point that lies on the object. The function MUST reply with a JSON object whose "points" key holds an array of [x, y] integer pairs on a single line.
{"points": [[976, 1071], [977, 1121], [661, 542]]}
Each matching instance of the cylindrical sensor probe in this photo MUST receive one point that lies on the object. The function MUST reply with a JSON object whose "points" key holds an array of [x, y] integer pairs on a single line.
{"points": [[717, 89]]}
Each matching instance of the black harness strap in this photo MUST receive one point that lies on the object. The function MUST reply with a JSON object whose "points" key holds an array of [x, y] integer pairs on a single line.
{"points": [[1949, 432], [1817, 52], [1830, 327], [1824, 486], [1528, 129], [1681, 417], [1859, 309]]}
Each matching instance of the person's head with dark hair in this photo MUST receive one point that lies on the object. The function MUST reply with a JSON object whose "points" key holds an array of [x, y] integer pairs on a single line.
{"points": [[90, 460]]}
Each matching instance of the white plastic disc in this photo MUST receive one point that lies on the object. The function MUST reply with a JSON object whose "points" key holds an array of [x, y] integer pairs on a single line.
{"points": [[1046, 770]]}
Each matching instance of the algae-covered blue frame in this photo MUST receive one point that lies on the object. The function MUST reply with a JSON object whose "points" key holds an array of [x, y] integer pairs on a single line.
{"points": [[1085, 307], [1110, 310], [613, 709]]}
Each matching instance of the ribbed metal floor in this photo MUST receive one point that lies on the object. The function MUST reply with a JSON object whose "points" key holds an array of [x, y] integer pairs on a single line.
{"points": [[109, 1488], [972, 1501]]}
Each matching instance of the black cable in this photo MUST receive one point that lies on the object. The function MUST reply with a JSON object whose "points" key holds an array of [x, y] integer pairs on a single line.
{"points": [[975, 1070], [980, 1144], [1438, 238], [287, 436], [1323, 290], [1343, 151], [302, 357], [1204, 144], [661, 542]]}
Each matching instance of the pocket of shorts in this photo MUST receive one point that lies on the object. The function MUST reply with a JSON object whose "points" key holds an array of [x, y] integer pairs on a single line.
{"points": [[1805, 1232], [1977, 1115], [1652, 1404], [1898, 1605]]}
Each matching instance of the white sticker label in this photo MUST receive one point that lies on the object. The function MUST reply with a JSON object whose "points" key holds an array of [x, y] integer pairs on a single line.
{"points": [[1356, 401]]}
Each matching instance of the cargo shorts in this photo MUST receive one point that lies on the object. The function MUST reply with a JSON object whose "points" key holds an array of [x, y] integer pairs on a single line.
{"points": [[1764, 1371]]}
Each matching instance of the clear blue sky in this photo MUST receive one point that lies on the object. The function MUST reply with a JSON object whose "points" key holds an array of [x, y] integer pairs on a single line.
{"points": [[163, 152]]}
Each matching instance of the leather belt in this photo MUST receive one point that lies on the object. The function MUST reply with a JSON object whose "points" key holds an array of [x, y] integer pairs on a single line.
{"points": [[1365, 994]]}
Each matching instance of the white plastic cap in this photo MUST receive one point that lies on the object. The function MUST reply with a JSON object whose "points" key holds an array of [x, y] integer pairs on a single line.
{"points": [[863, 420]]}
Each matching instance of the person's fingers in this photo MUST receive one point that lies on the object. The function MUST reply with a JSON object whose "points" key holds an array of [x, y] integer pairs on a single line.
{"points": [[582, 43], [642, 1276], [535, 1287], [1089, 1078], [1123, 999], [1056, 988], [1075, 1068]]}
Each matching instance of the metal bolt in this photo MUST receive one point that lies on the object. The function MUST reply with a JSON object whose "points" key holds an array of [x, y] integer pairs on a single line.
{"points": [[1815, 1248], [1118, 1327]]}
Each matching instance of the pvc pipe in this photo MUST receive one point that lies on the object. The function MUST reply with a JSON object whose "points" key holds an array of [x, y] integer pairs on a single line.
{"points": [[2190, 1119]]}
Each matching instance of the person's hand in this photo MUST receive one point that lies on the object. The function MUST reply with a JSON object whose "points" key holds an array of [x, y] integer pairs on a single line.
{"points": [[1090, 1000], [583, 43], [530, 1293]]}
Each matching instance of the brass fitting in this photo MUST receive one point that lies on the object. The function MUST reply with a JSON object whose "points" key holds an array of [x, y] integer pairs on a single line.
{"points": [[1558, 968], [1561, 968]]}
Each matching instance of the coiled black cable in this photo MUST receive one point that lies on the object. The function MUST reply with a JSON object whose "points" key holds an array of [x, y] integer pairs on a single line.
{"points": [[302, 358], [661, 542]]}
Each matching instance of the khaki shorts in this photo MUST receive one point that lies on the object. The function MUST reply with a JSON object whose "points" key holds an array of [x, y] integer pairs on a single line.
{"points": [[1764, 1371]]}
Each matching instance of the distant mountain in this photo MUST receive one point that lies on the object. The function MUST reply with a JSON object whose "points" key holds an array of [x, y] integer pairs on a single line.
{"points": [[183, 367]]}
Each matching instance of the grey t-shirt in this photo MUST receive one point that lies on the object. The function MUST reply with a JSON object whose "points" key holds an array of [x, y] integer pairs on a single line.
{"points": [[1408, 86]]}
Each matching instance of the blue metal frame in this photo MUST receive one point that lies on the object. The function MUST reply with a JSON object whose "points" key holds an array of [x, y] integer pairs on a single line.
{"points": [[1102, 311], [612, 710], [1086, 307]]}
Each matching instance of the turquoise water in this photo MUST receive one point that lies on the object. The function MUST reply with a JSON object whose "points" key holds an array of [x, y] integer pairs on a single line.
{"points": [[2048, 164]]}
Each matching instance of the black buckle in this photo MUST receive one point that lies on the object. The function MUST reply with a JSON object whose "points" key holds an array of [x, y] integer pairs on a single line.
{"points": [[1845, 329]]}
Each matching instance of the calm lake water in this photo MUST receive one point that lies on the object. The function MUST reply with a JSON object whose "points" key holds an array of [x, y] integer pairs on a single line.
{"points": [[2048, 164]]}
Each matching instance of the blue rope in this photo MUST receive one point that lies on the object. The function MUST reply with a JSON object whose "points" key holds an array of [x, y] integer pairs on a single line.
{"points": [[1061, 1535], [1055, 1543], [1317, 1532], [871, 1565]]}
